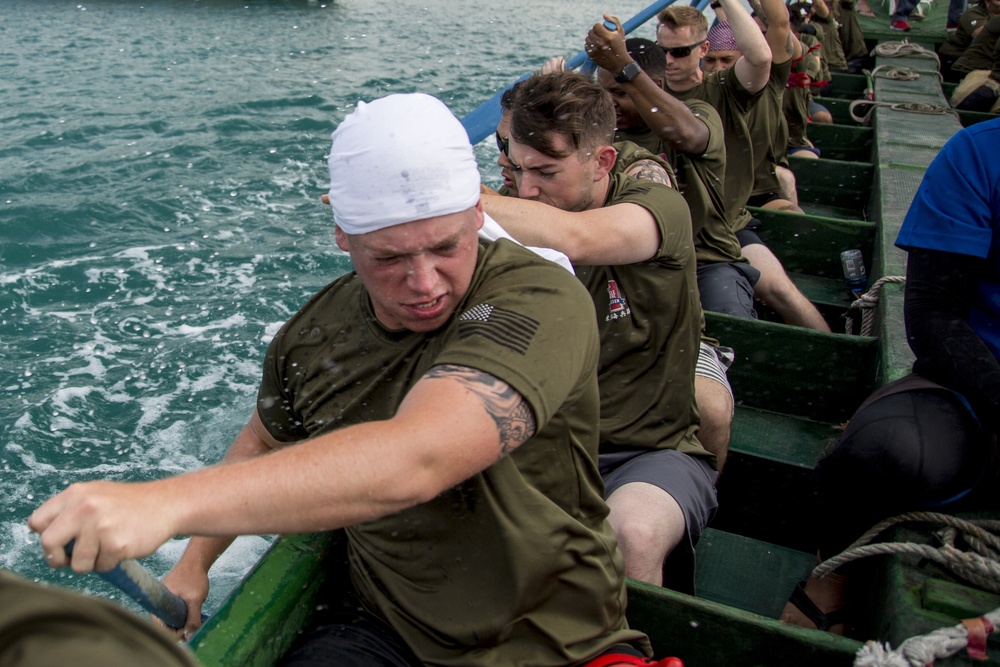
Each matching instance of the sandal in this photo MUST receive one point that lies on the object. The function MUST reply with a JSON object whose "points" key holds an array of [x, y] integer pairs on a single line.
{"points": [[823, 621], [867, 13]]}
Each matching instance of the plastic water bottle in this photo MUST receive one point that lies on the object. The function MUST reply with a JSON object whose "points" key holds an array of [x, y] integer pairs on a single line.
{"points": [[854, 271]]}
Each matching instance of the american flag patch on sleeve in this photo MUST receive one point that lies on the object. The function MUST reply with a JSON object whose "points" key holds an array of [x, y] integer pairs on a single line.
{"points": [[499, 325]]}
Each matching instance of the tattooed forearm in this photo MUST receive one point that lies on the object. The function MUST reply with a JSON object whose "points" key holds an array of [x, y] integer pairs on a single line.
{"points": [[512, 415], [648, 170]]}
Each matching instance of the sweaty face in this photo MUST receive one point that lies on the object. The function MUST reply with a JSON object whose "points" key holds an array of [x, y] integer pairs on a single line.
{"points": [[718, 60], [626, 114], [417, 273], [679, 69], [566, 183], [506, 167]]}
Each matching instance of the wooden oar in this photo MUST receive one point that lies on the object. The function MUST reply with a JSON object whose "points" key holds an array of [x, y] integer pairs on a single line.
{"points": [[136, 582], [482, 121]]}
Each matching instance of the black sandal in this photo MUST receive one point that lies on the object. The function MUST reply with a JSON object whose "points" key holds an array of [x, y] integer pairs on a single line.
{"points": [[822, 621]]}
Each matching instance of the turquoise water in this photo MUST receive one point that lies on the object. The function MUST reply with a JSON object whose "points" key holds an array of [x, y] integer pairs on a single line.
{"points": [[160, 169]]}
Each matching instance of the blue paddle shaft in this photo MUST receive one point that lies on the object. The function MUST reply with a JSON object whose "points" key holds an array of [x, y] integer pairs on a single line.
{"points": [[482, 121], [136, 582], [611, 25]]}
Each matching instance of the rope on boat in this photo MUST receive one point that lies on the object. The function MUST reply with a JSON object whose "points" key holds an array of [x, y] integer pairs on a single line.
{"points": [[914, 107], [923, 650], [898, 73], [980, 566], [866, 303], [903, 48]]}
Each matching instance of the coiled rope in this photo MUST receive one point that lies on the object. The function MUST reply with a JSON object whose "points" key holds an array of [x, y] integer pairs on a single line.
{"points": [[980, 566], [914, 107], [903, 48], [866, 303], [897, 73]]}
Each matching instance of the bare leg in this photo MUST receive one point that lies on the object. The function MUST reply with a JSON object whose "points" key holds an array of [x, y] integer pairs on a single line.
{"points": [[787, 179], [649, 525], [782, 205], [776, 290], [715, 405], [823, 116]]}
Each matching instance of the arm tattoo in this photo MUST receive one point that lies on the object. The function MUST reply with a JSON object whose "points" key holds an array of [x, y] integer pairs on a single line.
{"points": [[648, 170], [512, 415], [790, 45]]}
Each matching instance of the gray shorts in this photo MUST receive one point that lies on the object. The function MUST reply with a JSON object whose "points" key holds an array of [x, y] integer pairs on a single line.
{"points": [[727, 287], [688, 479]]}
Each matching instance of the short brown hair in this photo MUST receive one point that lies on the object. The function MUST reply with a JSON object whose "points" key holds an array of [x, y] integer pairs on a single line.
{"points": [[565, 103], [675, 17]]}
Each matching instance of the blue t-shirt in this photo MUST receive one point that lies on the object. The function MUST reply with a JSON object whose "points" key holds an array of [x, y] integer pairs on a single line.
{"points": [[957, 209]]}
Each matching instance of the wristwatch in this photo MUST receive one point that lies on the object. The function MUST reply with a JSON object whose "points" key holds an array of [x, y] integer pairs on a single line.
{"points": [[628, 73]]}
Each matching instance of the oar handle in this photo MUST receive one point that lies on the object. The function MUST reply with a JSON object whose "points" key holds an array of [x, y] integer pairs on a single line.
{"points": [[136, 582]]}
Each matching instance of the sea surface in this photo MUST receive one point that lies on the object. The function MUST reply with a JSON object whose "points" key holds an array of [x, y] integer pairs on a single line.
{"points": [[161, 164]]}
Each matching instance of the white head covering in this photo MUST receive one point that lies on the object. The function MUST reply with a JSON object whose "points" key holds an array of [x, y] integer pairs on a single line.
{"points": [[398, 159]]}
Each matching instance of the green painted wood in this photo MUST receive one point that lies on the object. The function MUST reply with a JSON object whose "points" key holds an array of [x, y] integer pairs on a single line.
{"points": [[839, 186], [840, 109], [708, 634], [957, 600], [906, 596], [264, 614], [768, 474], [762, 589], [795, 371], [847, 86], [811, 244], [842, 142], [969, 118]]}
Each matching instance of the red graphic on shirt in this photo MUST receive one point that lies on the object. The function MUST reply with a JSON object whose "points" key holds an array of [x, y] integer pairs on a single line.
{"points": [[617, 304]]}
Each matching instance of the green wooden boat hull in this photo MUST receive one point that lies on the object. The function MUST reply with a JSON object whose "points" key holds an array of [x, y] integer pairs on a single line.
{"points": [[795, 388]]}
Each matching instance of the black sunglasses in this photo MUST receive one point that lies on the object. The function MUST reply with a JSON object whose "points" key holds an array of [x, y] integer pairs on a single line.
{"points": [[502, 144], [682, 51]]}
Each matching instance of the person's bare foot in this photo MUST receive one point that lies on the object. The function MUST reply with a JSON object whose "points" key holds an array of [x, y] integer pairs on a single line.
{"points": [[864, 9], [818, 604]]}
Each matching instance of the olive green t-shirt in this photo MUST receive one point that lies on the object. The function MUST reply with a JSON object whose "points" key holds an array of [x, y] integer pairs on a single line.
{"points": [[852, 39], [727, 95], [795, 102], [701, 179], [980, 54], [959, 40], [769, 131], [829, 37], [42, 626], [517, 564], [629, 153], [816, 65], [649, 318]]}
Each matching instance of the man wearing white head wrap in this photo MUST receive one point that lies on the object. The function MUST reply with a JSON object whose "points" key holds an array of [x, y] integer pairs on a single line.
{"points": [[411, 187], [439, 404], [432, 170]]}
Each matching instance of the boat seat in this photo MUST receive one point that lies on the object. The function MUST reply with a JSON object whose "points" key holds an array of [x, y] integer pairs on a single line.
{"points": [[763, 588], [837, 188], [843, 142]]}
